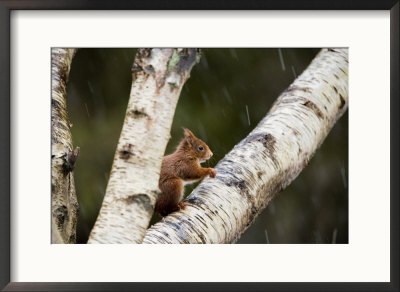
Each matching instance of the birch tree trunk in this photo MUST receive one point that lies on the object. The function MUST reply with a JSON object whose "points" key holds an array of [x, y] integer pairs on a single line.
{"points": [[64, 204], [219, 210], [132, 190]]}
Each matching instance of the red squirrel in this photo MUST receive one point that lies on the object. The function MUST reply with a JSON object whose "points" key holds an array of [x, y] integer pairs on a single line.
{"points": [[180, 168]]}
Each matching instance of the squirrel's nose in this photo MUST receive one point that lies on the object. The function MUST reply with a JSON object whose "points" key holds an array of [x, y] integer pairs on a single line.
{"points": [[211, 154]]}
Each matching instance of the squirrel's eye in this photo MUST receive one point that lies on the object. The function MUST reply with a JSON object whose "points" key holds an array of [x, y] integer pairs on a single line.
{"points": [[201, 148]]}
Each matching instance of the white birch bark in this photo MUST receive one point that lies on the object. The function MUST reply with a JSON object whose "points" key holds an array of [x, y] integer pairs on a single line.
{"points": [[132, 190], [64, 204], [219, 210]]}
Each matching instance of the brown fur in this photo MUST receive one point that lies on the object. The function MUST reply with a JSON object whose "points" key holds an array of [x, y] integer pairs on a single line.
{"points": [[181, 166]]}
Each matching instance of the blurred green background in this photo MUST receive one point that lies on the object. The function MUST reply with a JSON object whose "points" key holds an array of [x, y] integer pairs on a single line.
{"points": [[228, 93]]}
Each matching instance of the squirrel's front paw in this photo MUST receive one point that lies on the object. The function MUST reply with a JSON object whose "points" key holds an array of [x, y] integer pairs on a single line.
{"points": [[212, 173], [182, 205]]}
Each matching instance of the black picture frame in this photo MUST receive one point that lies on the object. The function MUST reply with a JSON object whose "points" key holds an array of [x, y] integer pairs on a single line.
{"points": [[7, 6]]}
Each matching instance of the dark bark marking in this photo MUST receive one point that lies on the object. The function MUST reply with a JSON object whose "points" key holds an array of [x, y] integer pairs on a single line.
{"points": [[253, 213], [209, 217], [276, 188], [227, 167], [70, 159], [266, 139], [61, 215], [199, 233], [58, 126], [137, 114], [126, 152], [342, 102], [241, 185], [201, 220], [143, 53], [56, 104], [141, 199], [299, 151], [72, 238], [196, 201], [149, 69], [136, 68], [174, 225], [295, 131], [231, 181], [268, 142], [327, 99], [138, 64], [315, 109], [295, 87]]}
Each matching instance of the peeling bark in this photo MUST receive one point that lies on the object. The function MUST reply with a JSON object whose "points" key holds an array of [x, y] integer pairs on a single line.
{"points": [[64, 204], [219, 210], [158, 77]]}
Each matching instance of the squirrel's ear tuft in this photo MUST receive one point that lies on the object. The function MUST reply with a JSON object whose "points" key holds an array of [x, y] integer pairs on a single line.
{"points": [[188, 135]]}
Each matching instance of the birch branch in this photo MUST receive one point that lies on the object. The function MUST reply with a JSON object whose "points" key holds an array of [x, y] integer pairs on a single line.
{"points": [[132, 190], [219, 210], [64, 204]]}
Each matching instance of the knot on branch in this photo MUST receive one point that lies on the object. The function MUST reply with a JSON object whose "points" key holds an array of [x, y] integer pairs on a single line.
{"points": [[61, 214], [136, 114], [141, 199], [126, 152], [182, 60], [70, 160]]}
